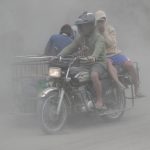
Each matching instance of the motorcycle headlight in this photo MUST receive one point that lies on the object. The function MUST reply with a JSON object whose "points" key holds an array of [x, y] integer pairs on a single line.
{"points": [[55, 72]]}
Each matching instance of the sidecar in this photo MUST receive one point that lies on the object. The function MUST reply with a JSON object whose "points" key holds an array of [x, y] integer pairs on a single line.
{"points": [[29, 77]]}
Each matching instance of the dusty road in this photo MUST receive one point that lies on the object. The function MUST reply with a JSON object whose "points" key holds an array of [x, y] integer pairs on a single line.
{"points": [[131, 133]]}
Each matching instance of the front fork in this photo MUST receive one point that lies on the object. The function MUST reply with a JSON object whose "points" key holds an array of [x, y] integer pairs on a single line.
{"points": [[61, 97]]}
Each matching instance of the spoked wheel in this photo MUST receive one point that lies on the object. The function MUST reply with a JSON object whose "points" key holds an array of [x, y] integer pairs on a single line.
{"points": [[51, 121], [117, 112]]}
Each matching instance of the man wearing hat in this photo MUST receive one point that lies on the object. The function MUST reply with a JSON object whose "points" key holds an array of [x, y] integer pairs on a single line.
{"points": [[90, 44], [113, 52]]}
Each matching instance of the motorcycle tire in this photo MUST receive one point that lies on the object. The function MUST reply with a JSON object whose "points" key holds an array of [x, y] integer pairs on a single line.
{"points": [[50, 122]]}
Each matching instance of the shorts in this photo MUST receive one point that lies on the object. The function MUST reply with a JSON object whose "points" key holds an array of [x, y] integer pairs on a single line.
{"points": [[118, 59], [101, 68]]}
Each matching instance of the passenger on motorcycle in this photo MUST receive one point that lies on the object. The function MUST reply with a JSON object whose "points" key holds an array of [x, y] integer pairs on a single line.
{"points": [[90, 44], [59, 41], [100, 23], [113, 52]]}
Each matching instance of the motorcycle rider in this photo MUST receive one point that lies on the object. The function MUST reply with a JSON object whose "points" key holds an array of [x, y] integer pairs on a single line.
{"points": [[91, 45], [59, 41], [113, 52]]}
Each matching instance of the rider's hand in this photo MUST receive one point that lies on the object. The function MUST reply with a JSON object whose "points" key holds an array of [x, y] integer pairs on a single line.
{"points": [[91, 58]]}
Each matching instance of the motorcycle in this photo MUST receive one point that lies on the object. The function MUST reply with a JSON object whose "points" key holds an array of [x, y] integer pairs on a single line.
{"points": [[70, 91]]}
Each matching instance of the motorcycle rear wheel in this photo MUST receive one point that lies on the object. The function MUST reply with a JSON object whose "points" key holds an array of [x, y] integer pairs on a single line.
{"points": [[118, 112]]}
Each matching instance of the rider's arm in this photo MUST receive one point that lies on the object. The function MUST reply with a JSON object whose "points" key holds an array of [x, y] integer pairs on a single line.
{"points": [[70, 48], [99, 51]]}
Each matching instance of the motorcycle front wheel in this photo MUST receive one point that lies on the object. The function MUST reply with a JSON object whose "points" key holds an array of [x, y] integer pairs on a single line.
{"points": [[51, 121]]}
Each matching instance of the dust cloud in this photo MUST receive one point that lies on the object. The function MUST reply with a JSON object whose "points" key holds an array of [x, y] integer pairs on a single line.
{"points": [[25, 27]]}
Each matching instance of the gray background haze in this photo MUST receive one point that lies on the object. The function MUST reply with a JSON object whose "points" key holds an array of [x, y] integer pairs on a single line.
{"points": [[26, 25]]}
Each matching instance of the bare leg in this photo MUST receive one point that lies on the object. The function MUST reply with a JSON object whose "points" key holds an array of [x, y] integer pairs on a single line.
{"points": [[113, 73], [132, 71], [98, 88]]}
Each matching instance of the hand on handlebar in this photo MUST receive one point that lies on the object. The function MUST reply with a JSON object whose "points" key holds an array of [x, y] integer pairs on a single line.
{"points": [[91, 58]]}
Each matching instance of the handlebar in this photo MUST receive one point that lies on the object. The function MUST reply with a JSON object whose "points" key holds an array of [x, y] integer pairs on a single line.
{"points": [[71, 58], [70, 61]]}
